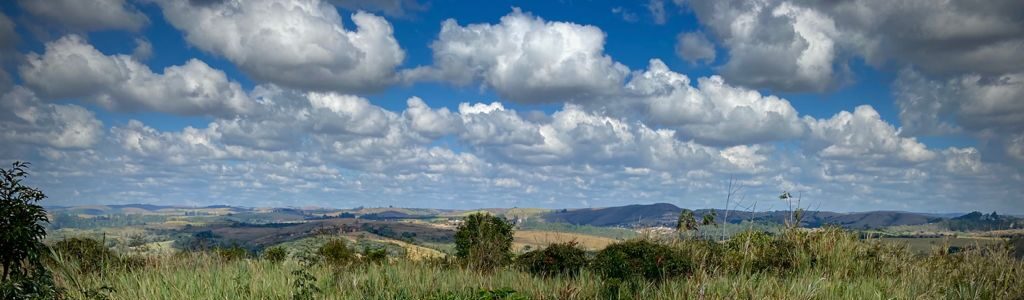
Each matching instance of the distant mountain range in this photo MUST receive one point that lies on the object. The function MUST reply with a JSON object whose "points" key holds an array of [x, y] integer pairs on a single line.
{"points": [[638, 215], [664, 214]]}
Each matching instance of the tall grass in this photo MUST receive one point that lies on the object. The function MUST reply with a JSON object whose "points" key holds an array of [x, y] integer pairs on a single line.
{"points": [[826, 264]]}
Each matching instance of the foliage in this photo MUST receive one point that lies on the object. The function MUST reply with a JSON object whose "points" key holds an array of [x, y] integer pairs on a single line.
{"points": [[687, 222], [484, 241], [640, 259], [275, 254], [375, 255], [563, 259], [91, 255], [757, 251], [304, 282], [336, 252], [21, 234], [1017, 244], [233, 252], [977, 221]]}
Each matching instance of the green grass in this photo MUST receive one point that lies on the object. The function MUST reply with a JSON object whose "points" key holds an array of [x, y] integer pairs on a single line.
{"points": [[830, 264]]}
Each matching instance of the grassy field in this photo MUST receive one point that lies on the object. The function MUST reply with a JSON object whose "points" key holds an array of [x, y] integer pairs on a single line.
{"points": [[829, 265]]}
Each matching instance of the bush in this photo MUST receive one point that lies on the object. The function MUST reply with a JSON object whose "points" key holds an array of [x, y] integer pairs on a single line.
{"points": [[336, 252], [90, 254], [484, 242], [565, 259], [275, 254], [375, 255], [232, 253], [640, 259], [758, 251]]}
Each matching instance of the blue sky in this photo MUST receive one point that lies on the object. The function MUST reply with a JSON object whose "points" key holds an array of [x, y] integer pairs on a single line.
{"points": [[863, 105]]}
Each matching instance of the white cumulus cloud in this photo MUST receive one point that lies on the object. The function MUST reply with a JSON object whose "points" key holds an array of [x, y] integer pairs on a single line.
{"points": [[294, 43]]}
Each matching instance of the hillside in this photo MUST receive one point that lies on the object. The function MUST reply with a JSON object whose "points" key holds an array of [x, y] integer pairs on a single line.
{"points": [[664, 214]]}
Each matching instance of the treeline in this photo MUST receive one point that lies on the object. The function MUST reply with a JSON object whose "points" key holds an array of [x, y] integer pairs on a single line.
{"points": [[977, 221], [66, 220]]}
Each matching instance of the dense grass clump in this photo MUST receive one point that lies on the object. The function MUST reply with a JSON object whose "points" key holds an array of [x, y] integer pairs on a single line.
{"points": [[563, 259], [641, 260], [90, 255], [758, 251]]}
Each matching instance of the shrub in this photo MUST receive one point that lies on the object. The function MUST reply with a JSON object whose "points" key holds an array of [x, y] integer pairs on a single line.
{"points": [[758, 251], [375, 255], [484, 242], [336, 252], [275, 254], [564, 259], [640, 259], [90, 254], [1017, 244], [232, 253]]}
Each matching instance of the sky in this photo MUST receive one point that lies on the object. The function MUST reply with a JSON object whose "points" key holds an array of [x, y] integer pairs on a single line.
{"points": [[854, 105]]}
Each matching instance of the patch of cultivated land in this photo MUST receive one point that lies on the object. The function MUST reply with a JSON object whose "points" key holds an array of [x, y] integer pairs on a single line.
{"points": [[540, 239]]}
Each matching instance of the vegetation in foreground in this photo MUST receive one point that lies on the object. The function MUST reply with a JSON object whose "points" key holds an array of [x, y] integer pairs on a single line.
{"points": [[828, 263]]}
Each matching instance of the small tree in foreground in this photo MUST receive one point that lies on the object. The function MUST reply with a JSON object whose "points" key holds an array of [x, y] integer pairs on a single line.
{"points": [[21, 237], [484, 242]]}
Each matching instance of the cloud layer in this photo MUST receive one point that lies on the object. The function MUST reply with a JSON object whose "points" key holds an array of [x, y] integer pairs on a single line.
{"points": [[571, 125]]}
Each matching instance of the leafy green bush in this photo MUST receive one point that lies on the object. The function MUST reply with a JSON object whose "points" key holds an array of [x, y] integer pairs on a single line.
{"points": [[375, 255], [90, 255], [564, 259], [484, 242], [640, 259], [336, 252], [275, 254], [232, 253], [759, 251]]}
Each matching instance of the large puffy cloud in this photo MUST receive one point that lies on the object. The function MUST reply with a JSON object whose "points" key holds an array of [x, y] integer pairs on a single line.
{"points": [[71, 68], [863, 136], [26, 119], [712, 112], [803, 46], [525, 59], [294, 43], [87, 15], [777, 45]]}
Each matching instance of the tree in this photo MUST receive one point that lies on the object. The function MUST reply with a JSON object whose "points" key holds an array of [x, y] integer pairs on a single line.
{"points": [[709, 219], [21, 236], [484, 241], [687, 222]]}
